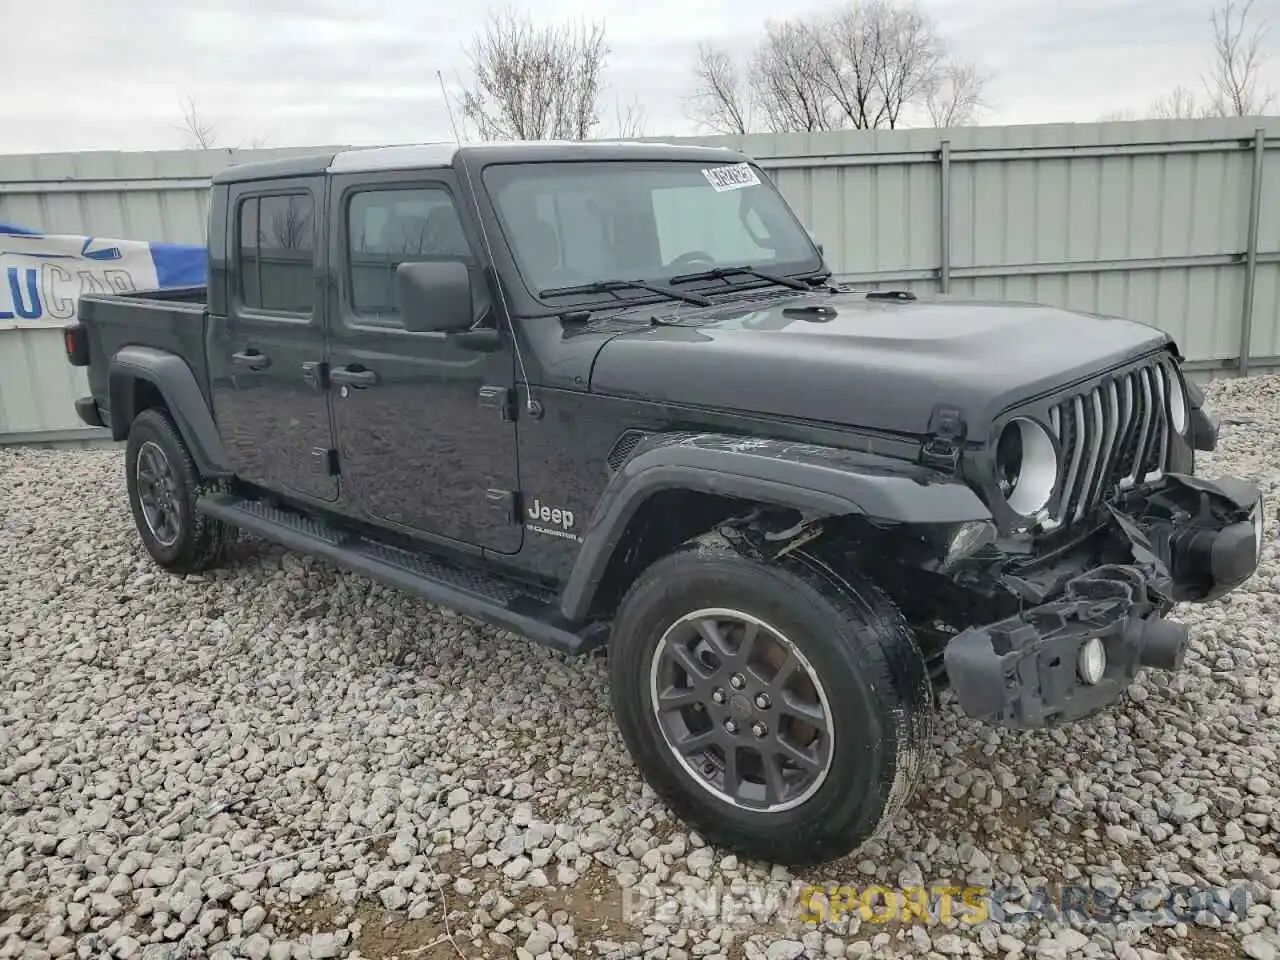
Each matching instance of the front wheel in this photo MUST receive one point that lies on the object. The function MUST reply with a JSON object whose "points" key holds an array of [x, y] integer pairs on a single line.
{"points": [[780, 709]]}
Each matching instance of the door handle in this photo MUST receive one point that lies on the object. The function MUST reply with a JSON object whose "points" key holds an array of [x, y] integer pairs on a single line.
{"points": [[252, 359], [345, 376]]}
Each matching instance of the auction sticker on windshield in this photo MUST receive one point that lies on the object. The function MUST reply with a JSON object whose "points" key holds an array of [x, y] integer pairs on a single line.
{"points": [[733, 176]]}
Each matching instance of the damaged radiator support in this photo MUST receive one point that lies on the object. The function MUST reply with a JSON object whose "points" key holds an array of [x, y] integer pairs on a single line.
{"points": [[1180, 539], [1023, 672]]}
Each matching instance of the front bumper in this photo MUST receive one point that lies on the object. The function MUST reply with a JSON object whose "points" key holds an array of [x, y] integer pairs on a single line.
{"points": [[1181, 539]]}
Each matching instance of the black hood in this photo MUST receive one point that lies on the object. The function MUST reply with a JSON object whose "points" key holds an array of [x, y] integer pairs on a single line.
{"points": [[878, 364]]}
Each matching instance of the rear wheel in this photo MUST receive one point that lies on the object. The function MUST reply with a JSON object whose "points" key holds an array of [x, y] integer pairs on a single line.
{"points": [[163, 486], [778, 708]]}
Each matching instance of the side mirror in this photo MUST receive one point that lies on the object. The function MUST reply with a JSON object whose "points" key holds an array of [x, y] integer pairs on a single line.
{"points": [[434, 296]]}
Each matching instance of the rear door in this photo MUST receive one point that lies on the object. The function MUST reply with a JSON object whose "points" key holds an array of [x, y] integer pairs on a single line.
{"points": [[268, 363], [426, 438]]}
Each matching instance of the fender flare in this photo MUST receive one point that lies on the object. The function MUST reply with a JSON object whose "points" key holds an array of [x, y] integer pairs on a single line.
{"points": [[171, 375], [821, 480]]}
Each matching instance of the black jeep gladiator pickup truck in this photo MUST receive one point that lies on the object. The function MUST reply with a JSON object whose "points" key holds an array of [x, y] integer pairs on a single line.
{"points": [[610, 394]]}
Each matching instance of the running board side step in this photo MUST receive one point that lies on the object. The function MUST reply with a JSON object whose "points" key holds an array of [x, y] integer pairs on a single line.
{"points": [[502, 603]]}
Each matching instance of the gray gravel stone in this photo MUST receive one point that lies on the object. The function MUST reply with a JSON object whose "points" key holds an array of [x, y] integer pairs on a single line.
{"points": [[306, 884], [323, 946], [168, 740], [394, 898], [785, 950], [253, 919], [1258, 947]]}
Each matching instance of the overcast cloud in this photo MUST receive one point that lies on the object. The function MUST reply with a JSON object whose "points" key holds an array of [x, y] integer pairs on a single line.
{"points": [[91, 74]]}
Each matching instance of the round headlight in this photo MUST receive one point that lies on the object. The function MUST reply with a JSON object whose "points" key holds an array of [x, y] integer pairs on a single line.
{"points": [[1177, 401], [1026, 466]]}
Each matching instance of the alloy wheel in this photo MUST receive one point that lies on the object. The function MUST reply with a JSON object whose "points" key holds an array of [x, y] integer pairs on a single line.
{"points": [[742, 710]]}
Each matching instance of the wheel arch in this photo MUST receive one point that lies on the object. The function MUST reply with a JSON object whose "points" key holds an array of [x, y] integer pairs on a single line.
{"points": [[707, 477], [142, 377]]}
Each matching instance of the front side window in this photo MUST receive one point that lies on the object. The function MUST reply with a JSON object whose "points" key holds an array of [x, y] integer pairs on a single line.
{"points": [[576, 223], [386, 228], [276, 253]]}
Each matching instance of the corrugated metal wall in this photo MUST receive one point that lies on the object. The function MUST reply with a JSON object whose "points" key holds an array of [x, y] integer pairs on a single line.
{"points": [[1162, 221]]}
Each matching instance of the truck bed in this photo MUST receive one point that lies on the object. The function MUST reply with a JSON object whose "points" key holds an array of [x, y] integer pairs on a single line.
{"points": [[172, 320]]}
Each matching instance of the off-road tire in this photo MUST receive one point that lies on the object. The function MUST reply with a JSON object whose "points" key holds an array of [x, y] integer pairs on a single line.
{"points": [[201, 542], [856, 642]]}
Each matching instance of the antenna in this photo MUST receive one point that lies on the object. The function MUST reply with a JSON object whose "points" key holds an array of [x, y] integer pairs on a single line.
{"points": [[449, 107]]}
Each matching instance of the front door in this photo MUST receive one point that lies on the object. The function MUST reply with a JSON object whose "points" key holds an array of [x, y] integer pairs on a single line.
{"points": [[267, 354], [425, 438]]}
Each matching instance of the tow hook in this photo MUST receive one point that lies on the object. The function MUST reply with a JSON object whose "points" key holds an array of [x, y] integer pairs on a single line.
{"points": [[1163, 644]]}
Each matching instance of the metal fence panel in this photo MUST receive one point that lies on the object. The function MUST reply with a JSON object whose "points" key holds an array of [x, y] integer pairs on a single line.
{"points": [[1162, 221], [38, 387]]}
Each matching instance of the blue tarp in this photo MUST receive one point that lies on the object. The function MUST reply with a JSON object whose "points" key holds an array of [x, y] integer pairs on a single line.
{"points": [[41, 274]]}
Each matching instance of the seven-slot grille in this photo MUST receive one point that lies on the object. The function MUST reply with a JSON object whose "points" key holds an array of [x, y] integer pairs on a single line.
{"points": [[1113, 435]]}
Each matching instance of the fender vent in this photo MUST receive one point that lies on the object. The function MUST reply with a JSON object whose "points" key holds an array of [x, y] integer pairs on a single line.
{"points": [[623, 448]]}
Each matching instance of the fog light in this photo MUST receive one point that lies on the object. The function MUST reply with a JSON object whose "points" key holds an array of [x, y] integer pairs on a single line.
{"points": [[1092, 662]]}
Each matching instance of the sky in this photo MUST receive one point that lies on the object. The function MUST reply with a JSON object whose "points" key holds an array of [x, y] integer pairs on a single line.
{"points": [[99, 75]]}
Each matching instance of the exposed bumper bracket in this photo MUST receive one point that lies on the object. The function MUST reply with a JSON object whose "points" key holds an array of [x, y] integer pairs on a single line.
{"points": [[1023, 671], [1183, 539]]}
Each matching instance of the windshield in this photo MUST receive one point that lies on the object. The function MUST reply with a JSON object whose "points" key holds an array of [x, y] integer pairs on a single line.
{"points": [[578, 223]]}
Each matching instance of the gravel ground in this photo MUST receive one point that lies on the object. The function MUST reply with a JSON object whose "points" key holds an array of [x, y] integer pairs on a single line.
{"points": [[280, 760]]}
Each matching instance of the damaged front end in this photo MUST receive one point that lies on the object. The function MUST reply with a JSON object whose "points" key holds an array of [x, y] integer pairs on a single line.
{"points": [[1091, 608]]}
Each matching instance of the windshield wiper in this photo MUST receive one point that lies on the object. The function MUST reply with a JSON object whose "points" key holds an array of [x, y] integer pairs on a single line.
{"points": [[721, 273], [613, 286]]}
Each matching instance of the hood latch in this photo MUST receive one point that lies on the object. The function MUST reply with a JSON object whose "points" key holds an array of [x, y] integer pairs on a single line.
{"points": [[947, 431]]}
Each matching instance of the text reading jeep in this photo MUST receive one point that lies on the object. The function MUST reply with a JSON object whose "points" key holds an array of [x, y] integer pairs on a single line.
{"points": [[608, 393]]}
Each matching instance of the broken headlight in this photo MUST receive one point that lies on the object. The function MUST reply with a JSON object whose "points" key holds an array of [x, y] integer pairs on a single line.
{"points": [[1026, 466]]}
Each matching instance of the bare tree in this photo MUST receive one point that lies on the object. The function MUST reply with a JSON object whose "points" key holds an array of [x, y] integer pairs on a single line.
{"points": [[721, 99], [1238, 58], [630, 120], [786, 77], [955, 95], [290, 225], [866, 64], [850, 55], [201, 132], [1178, 104], [533, 82], [910, 56], [1232, 87]]}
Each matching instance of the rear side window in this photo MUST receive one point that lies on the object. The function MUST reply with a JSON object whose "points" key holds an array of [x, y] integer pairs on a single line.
{"points": [[386, 228], [276, 253]]}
